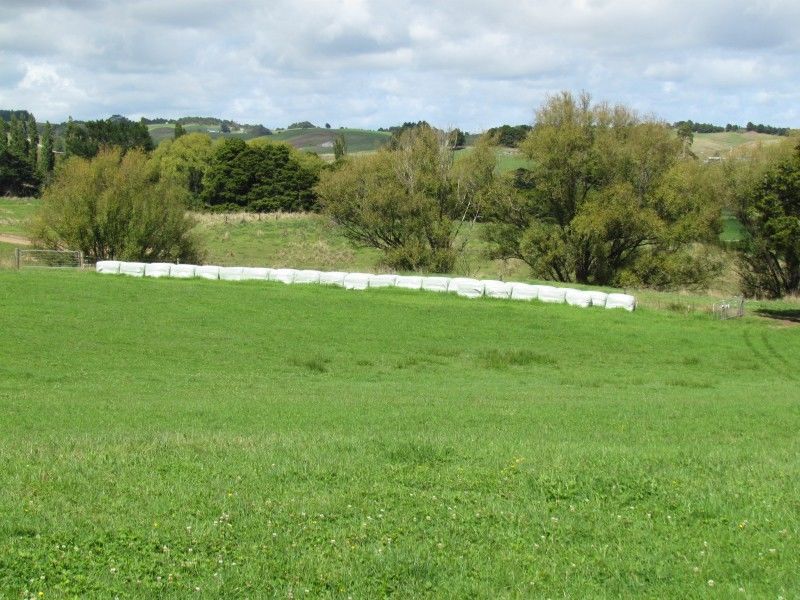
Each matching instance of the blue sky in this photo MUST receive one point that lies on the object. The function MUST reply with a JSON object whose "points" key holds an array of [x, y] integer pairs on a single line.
{"points": [[468, 64]]}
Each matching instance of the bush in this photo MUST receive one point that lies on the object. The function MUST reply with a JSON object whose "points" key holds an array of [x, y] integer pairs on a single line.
{"points": [[115, 207]]}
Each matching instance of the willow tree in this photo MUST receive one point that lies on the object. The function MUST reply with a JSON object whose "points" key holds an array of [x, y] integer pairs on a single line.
{"points": [[607, 200], [412, 201]]}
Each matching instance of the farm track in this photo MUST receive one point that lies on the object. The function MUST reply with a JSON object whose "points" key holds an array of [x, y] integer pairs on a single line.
{"points": [[10, 238]]}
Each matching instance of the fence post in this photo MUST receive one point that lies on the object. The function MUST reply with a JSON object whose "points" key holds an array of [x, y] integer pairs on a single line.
{"points": [[16, 257], [81, 259]]}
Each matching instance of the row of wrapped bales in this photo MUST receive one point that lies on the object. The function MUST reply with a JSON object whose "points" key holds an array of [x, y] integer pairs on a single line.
{"points": [[461, 286]]}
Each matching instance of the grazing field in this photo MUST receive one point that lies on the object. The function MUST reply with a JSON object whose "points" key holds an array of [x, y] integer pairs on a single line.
{"points": [[219, 439], [320, 140], [720, 144]]}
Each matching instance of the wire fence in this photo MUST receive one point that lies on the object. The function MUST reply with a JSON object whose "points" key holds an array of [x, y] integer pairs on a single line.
{"points": [[53, 259]]}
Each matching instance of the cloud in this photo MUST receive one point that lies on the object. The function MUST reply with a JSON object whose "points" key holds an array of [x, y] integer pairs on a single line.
{"points": [[471, 64]]}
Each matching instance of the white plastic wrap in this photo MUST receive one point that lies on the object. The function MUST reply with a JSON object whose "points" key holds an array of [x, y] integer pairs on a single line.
{"points": [[408, 282], [598, 298], [306, 276], [524, 291], [134, 269], [157, 269], [110, 267], [625, 301], [182, 271], [259, 273], [580, 298], [468, 288], [207, 272], [282, 275], [496, 289], [382, 281], [230, 273], [435, 284], [555, 295], [332, 278], [357, 281]]}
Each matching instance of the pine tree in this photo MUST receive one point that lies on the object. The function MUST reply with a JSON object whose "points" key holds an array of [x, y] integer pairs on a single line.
{"points": [[32, 134], [47, 160], [3, 135], [17, 139], [179, 131]]}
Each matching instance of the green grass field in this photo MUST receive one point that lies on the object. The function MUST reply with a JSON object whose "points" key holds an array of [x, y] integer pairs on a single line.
{"points": [[171, 438]]}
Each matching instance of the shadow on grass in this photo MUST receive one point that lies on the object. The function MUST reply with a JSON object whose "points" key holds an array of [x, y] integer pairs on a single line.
{"points": [[792, 314]]}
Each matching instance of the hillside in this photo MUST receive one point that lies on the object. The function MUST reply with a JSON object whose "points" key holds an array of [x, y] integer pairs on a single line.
{"points": [[320, 140], [720, 144]]}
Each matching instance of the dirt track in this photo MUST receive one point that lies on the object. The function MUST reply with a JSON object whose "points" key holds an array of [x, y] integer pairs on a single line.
{"points": [[9, 238]]}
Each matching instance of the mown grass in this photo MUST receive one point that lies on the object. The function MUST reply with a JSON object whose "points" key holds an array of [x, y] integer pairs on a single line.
{"points": [[15, 213], [720, 144], [168, 438]]}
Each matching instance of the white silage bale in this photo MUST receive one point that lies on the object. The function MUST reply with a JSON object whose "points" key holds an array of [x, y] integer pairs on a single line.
{"points": [[230, 273], [108, 267], [435, 284], [260, 273], [625, 301], [496, 289], [524, 291], [207, 272], [134, 269], [469, 288], [357, 281], [553, 295], [409, 282], [332, 278], [306, 276], [157, 269], [182, 271], [598, 298], [580, 298], [383, 280], [452, 285], [282, 275]]}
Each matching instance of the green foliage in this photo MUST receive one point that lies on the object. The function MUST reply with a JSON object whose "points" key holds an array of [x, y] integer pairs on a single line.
{"points": [[179, 131], [509, 136], [47, 159], [410, 202], [339, 148], [604, 199], [185, 161], [113, 206], [17, 177], [261, 177], [252, 439], [86, 139], [302, 125], [770, 256]]}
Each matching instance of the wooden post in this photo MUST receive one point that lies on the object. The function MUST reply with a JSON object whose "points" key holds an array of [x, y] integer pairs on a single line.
{"points": [[16, 257]]}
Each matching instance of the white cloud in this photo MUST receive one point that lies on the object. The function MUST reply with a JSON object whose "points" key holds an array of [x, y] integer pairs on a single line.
{"points": [[471, 64]]}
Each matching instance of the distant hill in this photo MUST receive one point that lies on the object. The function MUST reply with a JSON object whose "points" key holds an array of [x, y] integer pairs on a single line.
{"points": [[320, 140], [720, 144]]}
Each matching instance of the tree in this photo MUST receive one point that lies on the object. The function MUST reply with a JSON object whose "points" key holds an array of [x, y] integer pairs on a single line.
{"points": [[262, 177], [33, 141], [412, 202], [112, 206], [327, 125], [770, 257], [339, 148], [686, 136], [179, 131], [47, 160], [17, 177], [3, 134], [185, 161], [600, 201], [18, 143], [87, 139]]}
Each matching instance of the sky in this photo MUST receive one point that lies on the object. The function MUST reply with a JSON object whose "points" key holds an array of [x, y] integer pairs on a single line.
{"points": [[353, 63]]}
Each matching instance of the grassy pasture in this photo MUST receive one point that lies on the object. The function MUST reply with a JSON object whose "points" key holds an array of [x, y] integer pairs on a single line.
{"points": [[719, 144], [320, 140], [167, 438]]}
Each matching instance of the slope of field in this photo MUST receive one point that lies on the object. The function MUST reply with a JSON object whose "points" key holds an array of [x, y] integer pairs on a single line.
{"points": [[720, 144], [159, 132], [320, 140], [165, 437]]}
